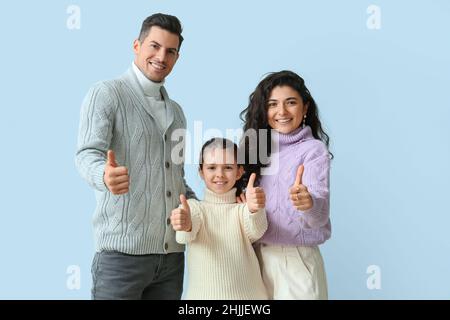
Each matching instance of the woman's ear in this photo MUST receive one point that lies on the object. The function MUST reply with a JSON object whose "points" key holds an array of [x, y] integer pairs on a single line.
{"points": [[200, 172]]}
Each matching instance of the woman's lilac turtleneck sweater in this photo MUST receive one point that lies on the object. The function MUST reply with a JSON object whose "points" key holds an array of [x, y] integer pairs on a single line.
{"points": [[288, 226]]}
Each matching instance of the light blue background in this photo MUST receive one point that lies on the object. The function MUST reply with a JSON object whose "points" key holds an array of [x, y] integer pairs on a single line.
{"points": [[383, 97]]}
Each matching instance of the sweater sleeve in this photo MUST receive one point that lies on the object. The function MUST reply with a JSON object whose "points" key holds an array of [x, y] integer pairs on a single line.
{"points": [[255, 224], [184, 237], [316, 179], [95, 134]]}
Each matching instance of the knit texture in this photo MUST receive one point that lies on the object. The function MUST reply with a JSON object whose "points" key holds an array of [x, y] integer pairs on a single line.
{"points": [[288, 226], [222, 264], [115, 115], [152, 93]]}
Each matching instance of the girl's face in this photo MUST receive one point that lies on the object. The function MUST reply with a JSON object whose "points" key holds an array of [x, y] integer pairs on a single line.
{"points": [[285, 109], [220, 170]]}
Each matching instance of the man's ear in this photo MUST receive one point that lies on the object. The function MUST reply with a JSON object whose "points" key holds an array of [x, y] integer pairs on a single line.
{"points": [[136, 46]]}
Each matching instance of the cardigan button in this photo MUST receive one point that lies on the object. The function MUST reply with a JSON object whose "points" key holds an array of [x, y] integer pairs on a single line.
{"points": [[168, 193], [167, 164], [166, 246]]}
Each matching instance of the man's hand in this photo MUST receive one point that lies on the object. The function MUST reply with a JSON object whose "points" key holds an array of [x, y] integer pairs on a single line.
{"points": [[300, 197], [181, 217], [115, 177], [256, 198]]}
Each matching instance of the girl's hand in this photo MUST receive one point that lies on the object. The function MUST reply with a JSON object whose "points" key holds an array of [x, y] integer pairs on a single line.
{"points": [[300, 197], [256, 198], [241, 198], [181, 217]]}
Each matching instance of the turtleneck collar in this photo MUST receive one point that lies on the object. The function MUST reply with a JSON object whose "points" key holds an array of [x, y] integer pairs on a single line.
{"points": [[227, 197], [298, 135], [150, 88]]}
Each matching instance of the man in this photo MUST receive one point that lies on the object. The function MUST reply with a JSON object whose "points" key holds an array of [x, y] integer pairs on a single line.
{"points": [[124, 153]]}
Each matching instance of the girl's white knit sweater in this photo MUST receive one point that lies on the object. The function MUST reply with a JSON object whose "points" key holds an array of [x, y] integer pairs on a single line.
{"points": [[222, 264]]}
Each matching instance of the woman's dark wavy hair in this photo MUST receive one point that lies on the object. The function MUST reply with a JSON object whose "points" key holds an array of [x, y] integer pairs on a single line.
{"points": [[255, 116], [223, 144]]}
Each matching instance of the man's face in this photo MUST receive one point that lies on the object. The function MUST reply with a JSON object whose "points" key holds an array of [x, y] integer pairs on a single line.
{"points": [[157, 54]]}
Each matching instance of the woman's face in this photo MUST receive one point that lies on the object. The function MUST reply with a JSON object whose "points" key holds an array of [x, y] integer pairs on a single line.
{"points": [[220, 170], [285, 109]]}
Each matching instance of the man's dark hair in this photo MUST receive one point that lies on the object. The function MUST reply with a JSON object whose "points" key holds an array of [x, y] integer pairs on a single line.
{"points": [[164, 21]]}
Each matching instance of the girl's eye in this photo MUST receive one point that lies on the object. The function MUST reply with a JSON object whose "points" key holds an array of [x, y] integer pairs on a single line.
{"points": [[272, 105], [292, 103]]}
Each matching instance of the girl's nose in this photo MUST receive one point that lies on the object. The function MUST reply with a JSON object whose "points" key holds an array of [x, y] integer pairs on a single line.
{"points": [[219, 173]]}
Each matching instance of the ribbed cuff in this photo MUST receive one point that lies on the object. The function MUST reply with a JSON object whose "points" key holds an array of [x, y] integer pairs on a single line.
{"points": [[255, 224], [317, 216], [97, 178], [184, 237]]}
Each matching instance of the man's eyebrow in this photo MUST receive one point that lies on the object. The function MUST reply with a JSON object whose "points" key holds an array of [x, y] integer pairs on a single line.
{"points": [[153, 41]]}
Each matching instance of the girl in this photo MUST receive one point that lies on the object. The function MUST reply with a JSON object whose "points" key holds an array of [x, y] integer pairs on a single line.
{"points": [[298, 190], [219, 232]]}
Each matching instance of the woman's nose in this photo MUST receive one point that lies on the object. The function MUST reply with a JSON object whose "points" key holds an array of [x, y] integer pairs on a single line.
{"points": [[282, 110]]}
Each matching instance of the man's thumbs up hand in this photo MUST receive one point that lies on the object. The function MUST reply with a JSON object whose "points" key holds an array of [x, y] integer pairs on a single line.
{"points": [[298, 193], [115, 177], [181, 217], [256, 198]]}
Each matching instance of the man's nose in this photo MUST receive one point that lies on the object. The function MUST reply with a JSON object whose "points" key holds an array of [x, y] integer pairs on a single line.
{"points": [[161, 55]]}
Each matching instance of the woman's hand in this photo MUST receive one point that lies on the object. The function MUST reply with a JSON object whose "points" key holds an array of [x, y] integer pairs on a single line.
{"points": [[300, 197]]}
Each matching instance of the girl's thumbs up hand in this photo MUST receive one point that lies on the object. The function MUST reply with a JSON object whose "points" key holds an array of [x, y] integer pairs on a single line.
{"points": [[181, 217], [299, 194], [256, 198]]}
